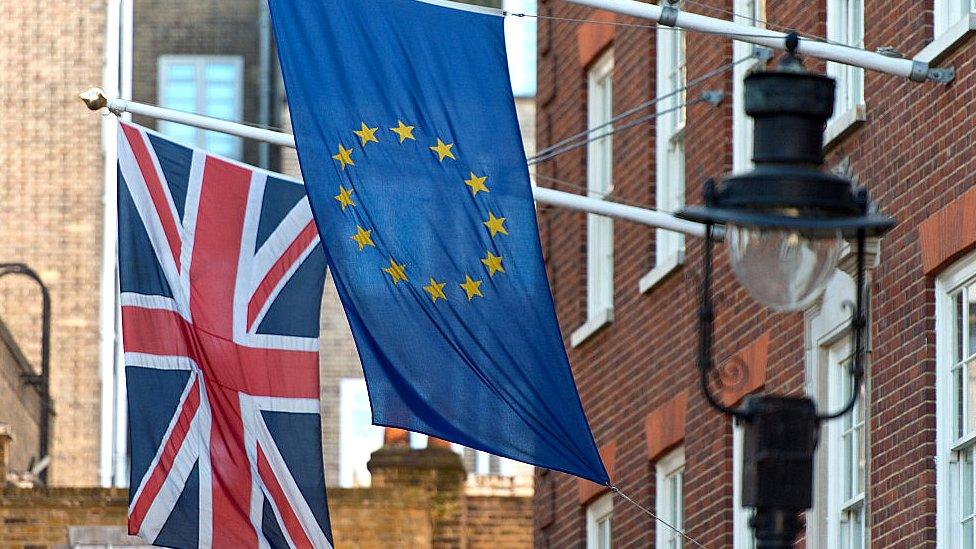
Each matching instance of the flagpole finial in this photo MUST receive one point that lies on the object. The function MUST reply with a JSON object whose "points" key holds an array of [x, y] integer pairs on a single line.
{"points": [[94, 98]]}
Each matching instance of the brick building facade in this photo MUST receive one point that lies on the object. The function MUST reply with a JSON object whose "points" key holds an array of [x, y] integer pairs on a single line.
{"points": [[634, 351], [51, 209]]}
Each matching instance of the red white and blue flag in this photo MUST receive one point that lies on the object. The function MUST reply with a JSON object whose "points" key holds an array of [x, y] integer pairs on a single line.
{"points": [[220, 270]]}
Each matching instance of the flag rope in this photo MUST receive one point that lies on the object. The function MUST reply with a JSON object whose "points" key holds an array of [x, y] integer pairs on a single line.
{"points": [[651, 514], [549, 150]]}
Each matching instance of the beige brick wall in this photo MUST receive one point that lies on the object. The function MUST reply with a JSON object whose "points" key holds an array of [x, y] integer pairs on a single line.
{"points": [[50, 207], [39, 518]]}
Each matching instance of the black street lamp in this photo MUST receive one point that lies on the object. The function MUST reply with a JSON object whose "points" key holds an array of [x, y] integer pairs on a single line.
{"points": [[786, 222], [41, 381]]}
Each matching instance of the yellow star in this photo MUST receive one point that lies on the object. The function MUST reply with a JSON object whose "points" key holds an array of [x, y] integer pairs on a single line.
{"points": [[471, 287], [495, 224], [366, 134], [443, 150], [436, 290], [477, 184], [493, 263], [363, 237], [404, 131], [345, 197], [344, 156], [396, 271]]}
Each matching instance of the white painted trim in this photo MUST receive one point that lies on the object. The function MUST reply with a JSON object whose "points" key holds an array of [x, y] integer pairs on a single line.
{"points": [[844, 123], [601, 508], [665, 466], [946, 282], [661, 271], [945, 42], [742, 537], [592, 325]]}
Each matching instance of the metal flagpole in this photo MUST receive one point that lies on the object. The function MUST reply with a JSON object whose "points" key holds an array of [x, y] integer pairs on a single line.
{"points": [[672, 16], [95, 99]]}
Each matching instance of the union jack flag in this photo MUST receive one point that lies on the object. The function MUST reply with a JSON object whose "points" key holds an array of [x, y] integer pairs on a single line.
{"points": [[221, 270]]}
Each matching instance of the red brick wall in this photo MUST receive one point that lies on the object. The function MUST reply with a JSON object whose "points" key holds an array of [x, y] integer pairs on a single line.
{"points": [[914, 153]]}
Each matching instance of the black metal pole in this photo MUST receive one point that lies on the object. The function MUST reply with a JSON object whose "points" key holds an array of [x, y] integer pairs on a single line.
{"points": [[42, 381]]}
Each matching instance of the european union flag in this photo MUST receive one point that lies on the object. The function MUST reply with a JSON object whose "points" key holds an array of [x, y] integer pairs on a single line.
{"points": [[410, 148]]}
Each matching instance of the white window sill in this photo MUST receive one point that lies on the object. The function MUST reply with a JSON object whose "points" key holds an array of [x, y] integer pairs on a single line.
{"points": [[844, 123], [598, 320], [661, 271], [948, 40]]}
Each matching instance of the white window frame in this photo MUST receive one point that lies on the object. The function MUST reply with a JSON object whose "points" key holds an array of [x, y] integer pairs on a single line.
{"points": [[669, 468], [747, 12], [200, 62], [599, 182], [949, 446], [845, 24], [742, 535], [841, 506], [948, 13], [599, 512], [669, 131], [827, 331]]}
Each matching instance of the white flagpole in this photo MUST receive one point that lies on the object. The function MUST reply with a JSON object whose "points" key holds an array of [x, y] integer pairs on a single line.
{"points": [[913, 69], [95, 99]]}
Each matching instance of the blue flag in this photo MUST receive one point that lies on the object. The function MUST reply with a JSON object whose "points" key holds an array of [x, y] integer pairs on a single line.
{"points": [[410, 148]]}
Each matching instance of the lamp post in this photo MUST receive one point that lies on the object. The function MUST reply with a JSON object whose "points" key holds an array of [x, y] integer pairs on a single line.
{"points": [[43, 381], [786, 222]]}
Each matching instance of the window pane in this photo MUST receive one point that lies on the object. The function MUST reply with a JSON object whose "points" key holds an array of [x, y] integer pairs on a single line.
{"points": [[220, 72], [217, 93], [966, 483], [957, 411], [179, 132], [179, 92], [967, 534], [604, 533], [970, 370], [223, 144], [180, 71], [958, 326], [971, 319]]}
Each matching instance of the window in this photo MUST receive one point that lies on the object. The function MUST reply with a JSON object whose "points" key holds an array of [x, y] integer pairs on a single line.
{"points": [[669, 191], [845, 24], [358, 437], [669, 500], [949, 12], [208, 85], [748, 12], [598, 520], [839, 515], [599, 177], [742, 536], [846, 449], [956, 403]]}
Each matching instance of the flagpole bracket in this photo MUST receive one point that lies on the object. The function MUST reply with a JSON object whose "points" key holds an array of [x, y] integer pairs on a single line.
{"points": [[941, 75], [669, 16]]}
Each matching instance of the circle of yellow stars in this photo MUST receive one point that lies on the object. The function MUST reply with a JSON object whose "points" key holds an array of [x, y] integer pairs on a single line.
{"points": [[363, 237]]}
